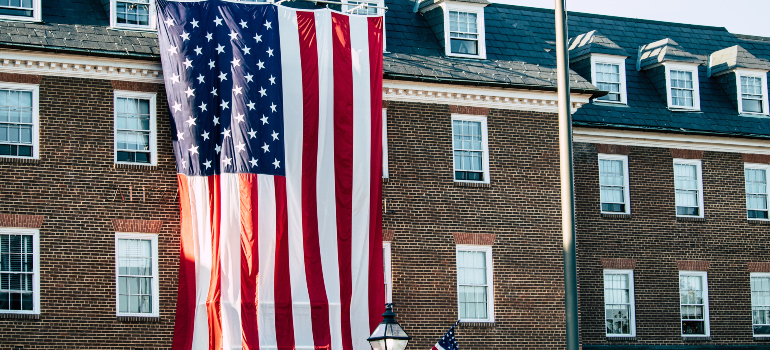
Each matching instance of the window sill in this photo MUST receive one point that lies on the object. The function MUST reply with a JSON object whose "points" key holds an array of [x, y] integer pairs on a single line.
{"points": [[385, 180], [758, 222], [690, 219], [753, 115], [762, 338], [19, 160], [22, 19], [139, 319], [143, 167], [20, 316], [477, 324], [472, 184], [616, 216], [680, 109], [133, 29], [628, 338], [610, 103], [697, 338]]}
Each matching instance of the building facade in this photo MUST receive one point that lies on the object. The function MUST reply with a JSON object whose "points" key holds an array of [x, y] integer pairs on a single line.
{"points": [[671, 158]]}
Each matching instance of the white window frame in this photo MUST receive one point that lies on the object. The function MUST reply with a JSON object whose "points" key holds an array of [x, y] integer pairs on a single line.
{"points": [[478, 9], [490, 282], [632, 306], [762, 75], [153, 125], [616, 60], [693, 68], [706, 324], [36, 14], [151, 26], [385, 172], [761, 275], [35, 89], [153, 238], [386, 257], [35, 233], [626, 190], [484, 144], [766, 168], [699, 170]]}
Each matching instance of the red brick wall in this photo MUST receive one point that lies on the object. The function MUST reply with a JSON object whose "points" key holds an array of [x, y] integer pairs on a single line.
{"points": [[726, 244], [521, 207], [79, 192]]}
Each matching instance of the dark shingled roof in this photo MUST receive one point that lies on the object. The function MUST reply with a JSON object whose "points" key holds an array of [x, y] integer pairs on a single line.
{"points": [[665, 50], [736, 57], [593, 42]]}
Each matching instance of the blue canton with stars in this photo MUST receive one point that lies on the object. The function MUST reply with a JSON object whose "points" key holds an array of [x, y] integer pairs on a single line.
{"points": [[222, 70], [448, 341]]}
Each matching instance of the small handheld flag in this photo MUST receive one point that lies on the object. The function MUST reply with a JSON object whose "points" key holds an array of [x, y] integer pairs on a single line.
{"points": [[448, 341]]}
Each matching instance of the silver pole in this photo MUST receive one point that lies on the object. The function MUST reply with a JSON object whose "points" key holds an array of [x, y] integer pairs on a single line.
{"points": [[567, 182]]}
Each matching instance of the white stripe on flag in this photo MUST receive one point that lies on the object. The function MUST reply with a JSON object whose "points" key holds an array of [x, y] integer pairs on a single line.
{"points": [[266, 280], [201, 231], [230, 260], [362, 143]]}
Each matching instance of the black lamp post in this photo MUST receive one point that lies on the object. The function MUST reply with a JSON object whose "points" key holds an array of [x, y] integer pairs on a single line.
{"points": [[389, 335]]}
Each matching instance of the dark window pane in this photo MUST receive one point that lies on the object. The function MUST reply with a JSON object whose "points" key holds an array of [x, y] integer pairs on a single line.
{"points": [[5, 303], [752, 106], [123, 156], [142, 158], [469, 176], [25, 151], [692, 327], [761, 329], [614, 207], [15, 301], [26, 301], [15, 12], [757, 214], [686, 211], [5, 150], [467, 47]]}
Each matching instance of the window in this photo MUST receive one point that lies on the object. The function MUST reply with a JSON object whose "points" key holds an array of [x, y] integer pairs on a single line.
{"points": [[613, 184], [682, 83], [475, 297], [353, 8], [756, 191], [20, 9], [19, 124], [609, 74], [133, 14], [471, 160], [694, 304], [386, 268], [760, 303], [753, 92], [136, 271], [465, 31], [689, 187], [19, 271], [619, 303], [135, 136]]}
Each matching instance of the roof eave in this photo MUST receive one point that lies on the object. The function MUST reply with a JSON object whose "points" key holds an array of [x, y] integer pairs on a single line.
{"points": [[89, 52], [668, 129]]}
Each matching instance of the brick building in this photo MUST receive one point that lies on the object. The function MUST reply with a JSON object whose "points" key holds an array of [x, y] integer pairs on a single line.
{"points": [[670, 134]]}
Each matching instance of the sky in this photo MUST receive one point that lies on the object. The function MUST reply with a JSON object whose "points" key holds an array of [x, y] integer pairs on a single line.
{"points": [[750, 17]]}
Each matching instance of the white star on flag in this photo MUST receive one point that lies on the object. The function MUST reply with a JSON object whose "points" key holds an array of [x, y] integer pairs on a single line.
{"points": [[243, 24], [265, 148], [253, 162], [226, 133], [180, 135], [185, 36], [269, 52], [202, 106], [201, 79], [187, 63], [205, 135], [237, 90], [194, 23], [218, 21], [220, 48], [170, 22], [177, 107], [274, 135], [224, 105], [240, 147], [252, 134], [218, 148], [264, 120], [198, 51], [207, 163], [227, 160], [190, 92], [267, 24], [193, 150], [191, 121], [277, 163]]}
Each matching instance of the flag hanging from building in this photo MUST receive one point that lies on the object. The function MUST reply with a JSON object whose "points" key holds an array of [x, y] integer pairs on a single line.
{"points": [[277, 132], [448, 341]]}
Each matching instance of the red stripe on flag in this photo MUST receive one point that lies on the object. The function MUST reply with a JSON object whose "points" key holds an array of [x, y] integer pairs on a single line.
{"points": [[284, 322], [319, 303], [184, 323], [376, 273], [248, 187], [213, 301], [343, 162]]}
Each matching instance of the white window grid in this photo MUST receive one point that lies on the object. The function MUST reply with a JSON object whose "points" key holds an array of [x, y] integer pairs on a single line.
{"points": [[614, 184], [22, 10], [19, 121], [619, 309], [364, 10], [464, 23], [609, 73], [694, 305], [760, 303], [19, 271], [682, 86], [475, 291], [133, 14], [752, 92], [755, 176], [470, 150], [124, 279], [688, 185], [386, 264], [123, 131], [463, 27]]}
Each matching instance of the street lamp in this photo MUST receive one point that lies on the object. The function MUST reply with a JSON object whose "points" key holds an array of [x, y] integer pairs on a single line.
{"points": [[389, 335]]}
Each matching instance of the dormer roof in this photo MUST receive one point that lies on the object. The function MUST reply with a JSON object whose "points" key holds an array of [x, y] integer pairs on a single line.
{"points": [[593, 42], [427, 3], [735, 57], [665, 50]]}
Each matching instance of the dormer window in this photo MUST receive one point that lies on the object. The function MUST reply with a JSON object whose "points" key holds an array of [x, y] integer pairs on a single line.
{"points": [[463, 33], [682, 86], [28, 10], [360, 8], [133, 14], [609, 74], [752, 92]]}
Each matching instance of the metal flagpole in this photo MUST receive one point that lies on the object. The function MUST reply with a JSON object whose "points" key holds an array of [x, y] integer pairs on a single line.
{"points": [[567, 182]]}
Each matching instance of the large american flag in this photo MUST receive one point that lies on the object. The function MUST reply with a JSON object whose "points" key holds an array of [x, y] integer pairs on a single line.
{"points": [[448, 341], [277, 132]]}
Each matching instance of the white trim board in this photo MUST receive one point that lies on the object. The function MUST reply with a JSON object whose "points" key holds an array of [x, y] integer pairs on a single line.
{"points": [[500, 98], [79, 66], [664, 140]]}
